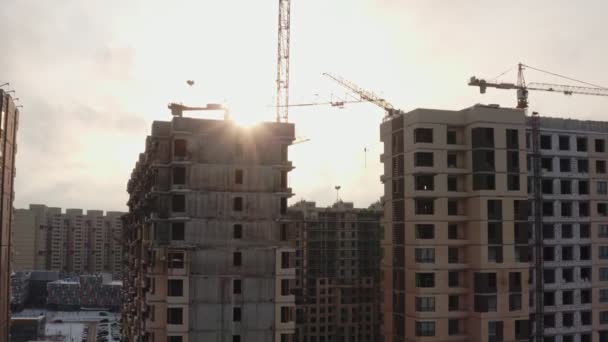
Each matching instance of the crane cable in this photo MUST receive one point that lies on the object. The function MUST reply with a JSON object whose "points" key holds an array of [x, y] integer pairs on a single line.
{"points": [[566, 77]]}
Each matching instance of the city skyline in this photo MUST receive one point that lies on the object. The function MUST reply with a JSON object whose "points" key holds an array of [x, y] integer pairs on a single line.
{"points": [[88, 93]]}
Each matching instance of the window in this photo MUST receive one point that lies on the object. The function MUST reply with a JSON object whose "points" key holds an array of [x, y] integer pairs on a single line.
{"points": [[452, 160], [549, 276], [453, 207], [425, 328], [179, 148], [514, 302], [585, 252], [174, 339], [512, 139], [564, 165], [583, 187], [236, 314], [568, 319], [599, 145], [237, 259], [603, 252], [453, 255], [567, 253], [495, 331], [548, 253], [425, 279], [549, 298], [178, 203], [494, 233], [565, 186], [586, 296], [564, 143], [236, 338], [451, 137], [238, 176], [602, 188], [547, 186], [583, 209], [425, 255], [602, 231], [484, 181], [586, 274], [452, 183], [237, 231], [600, 166], [482, 137], [545, 142], [175, 316], [453, 327], [283, 179], [582, 165], [513, 182], [603, 295], [175, 287], [285, 259], [238, 149], [453, 303], [548, 231], [283, 206], [568, 275], [178, 231], [425, 231], [483, 160], [237, 204], [546, 164], [495, 254], [425, 304], [425, 182], [567, 231], [453, 231], [176, 260], [514, 281], [547, 208], [567, 297], [283, 232], [179, 175], [453, 279], [581, 144], [423, 135], [549, 320], [285, 288], [286, 314], [237, 286], [494, 209], [424, 207], [586, 317], [423, 159], [602, 210]]}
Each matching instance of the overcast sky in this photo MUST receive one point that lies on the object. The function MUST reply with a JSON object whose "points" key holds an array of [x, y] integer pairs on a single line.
{"points": [[93, 75]]}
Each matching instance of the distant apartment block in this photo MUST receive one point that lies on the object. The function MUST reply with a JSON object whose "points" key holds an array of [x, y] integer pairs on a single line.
{"points": [[458, 212], [44, 238], [338, 272], [9, 119], [207, 259]]}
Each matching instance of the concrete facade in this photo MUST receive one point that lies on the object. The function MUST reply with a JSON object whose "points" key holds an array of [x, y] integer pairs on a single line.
{"points": [[338, 272], [44, 238], [9, 120], [455, 243], [206, 259]]}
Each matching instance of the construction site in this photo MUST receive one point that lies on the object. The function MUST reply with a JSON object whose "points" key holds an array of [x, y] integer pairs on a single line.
{"points": [[492, 227]]}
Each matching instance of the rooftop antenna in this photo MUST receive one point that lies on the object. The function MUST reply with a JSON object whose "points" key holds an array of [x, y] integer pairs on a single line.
{"points": [[337, 187]]}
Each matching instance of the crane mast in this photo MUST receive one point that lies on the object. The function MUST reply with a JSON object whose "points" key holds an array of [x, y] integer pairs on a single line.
{"points": [[283, 61]]}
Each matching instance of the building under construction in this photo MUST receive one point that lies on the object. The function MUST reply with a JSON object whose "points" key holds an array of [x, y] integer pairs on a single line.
{"points": [[207, 257], [338, 272], [459, 207]]}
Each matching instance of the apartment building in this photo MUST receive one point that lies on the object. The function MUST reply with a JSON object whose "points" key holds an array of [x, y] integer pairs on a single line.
{"points": [[45, 238], [208, 258], [574, 229], [9, 120], [338, 272], [455, 263]]}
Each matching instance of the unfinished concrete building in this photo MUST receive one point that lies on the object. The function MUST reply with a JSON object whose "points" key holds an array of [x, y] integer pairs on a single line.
{"points": [[455, 263], [338, 272], [44, 238], [207, 259], [9, 120]]}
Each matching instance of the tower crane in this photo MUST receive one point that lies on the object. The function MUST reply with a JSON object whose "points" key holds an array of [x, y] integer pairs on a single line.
{"points": [[283, 61], [366, 95], [523, 88], [522, 103]]}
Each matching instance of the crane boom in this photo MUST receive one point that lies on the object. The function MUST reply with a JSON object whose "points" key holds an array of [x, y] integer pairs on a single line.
{"points": [[365, 94], [283, 61]]}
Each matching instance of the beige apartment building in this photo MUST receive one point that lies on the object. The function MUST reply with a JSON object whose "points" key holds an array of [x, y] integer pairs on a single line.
{"points": [[45, 238], [208, 257], [337, 272], [457, 218], [455, 242]]}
